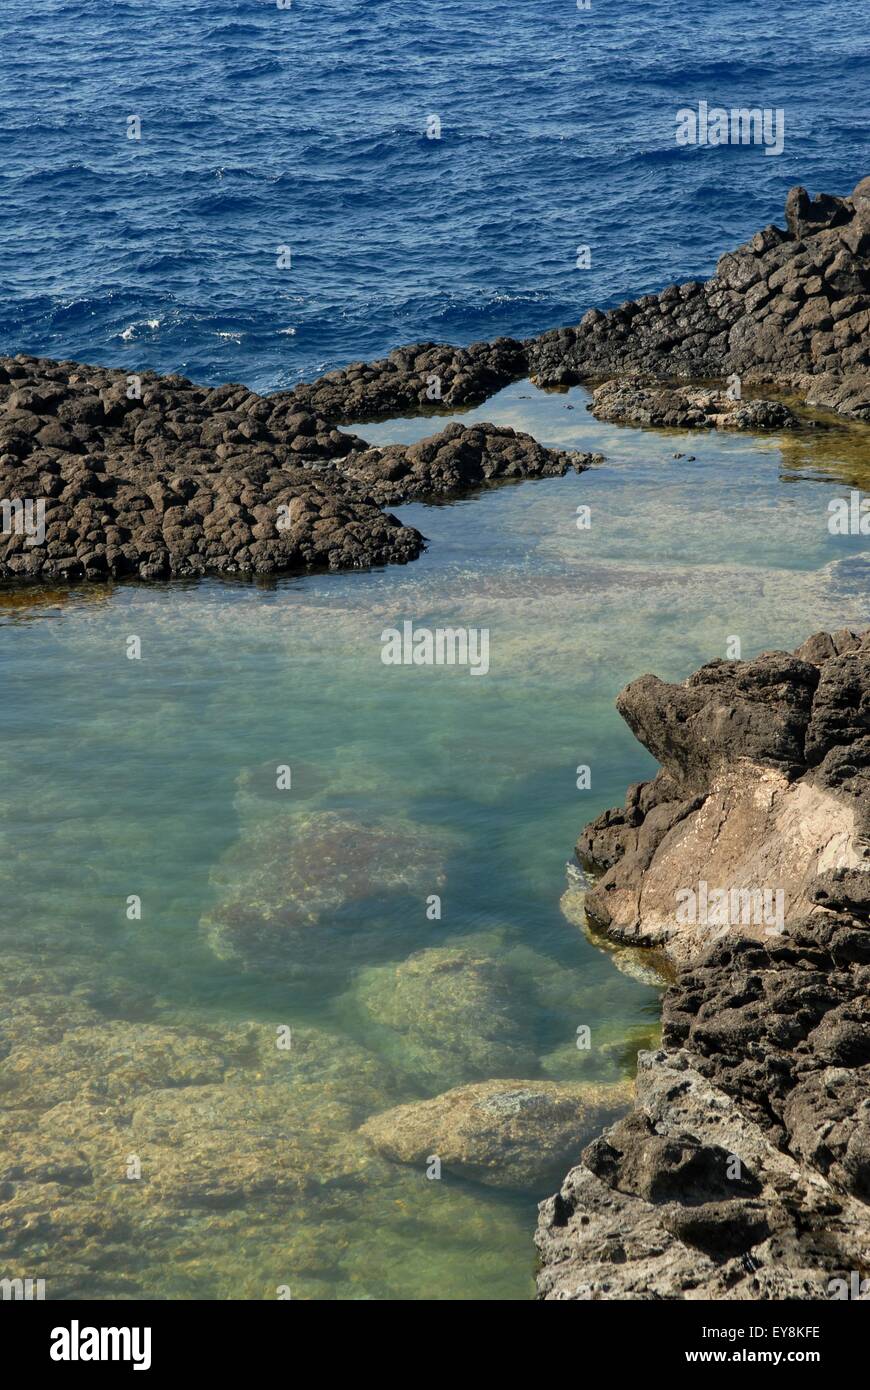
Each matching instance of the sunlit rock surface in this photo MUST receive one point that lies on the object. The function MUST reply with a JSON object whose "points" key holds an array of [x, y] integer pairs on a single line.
{"points": [[744, 1169]]}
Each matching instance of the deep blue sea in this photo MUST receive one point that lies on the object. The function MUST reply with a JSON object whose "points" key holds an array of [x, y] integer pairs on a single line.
{"points": [[305, 127]]}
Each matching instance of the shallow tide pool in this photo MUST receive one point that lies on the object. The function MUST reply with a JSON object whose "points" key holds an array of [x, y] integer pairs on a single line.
{"points": [[140, 798]]}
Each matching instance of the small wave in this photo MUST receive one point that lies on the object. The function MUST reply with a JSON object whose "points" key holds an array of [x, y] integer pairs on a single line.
{"points": [[668, 154], [74, 170], [731, 72], [132, 329], [268, 68], [236, 30]]}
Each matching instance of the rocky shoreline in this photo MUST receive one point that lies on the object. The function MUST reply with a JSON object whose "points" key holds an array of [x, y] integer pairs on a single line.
{"points": [[743, 1171], [181, 481], [157, 478], [790, 306]]}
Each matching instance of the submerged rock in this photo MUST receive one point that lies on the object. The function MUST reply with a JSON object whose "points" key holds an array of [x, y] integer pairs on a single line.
{"points": [[132, 1147], [511, 1134], [635, 401], [258, 793], [293, 884], [448, 1015], [611, 1056], [219, 1145], [646, 966], [107, 1060]]}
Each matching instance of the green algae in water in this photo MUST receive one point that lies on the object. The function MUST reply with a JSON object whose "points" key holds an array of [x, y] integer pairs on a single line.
{"points": [[125, 1036]]}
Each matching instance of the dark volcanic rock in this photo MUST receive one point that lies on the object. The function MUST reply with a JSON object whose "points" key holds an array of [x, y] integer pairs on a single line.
{"points": [[744, 1171], [793, 305], [749, 751], [424, 376], [759, 710], [691, 1198], [178, 480], [458, 459]]}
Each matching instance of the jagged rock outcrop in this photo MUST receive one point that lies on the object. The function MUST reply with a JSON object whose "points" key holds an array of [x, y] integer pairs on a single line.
{"points": [[688, 1198], [765, 785], [744, 1170], [457, 460], [423, 376], [790, 304]]}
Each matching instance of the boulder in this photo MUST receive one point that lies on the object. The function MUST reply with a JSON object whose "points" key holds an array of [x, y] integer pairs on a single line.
{"points": [[297, 892], [447, 1015], [506, 1134]]}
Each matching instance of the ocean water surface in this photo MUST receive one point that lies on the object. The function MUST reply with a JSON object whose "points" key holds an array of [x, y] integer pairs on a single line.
{"points": [[306, 127]]}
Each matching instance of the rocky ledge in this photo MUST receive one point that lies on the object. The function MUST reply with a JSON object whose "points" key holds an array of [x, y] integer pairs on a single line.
{"points": [[158, 478], [457, 461], [791, 305], [413, 379], [743, 1171]]}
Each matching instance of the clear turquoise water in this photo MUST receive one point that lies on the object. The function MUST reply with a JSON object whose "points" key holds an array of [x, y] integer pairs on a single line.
{"points": [[124, 777]]}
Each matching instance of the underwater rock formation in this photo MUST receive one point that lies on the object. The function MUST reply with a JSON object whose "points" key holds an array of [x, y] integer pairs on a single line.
{"points": [[138, 1160], [511, 1134], [289, 880], [449, 1015]]}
